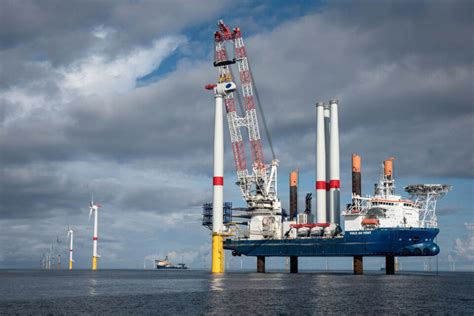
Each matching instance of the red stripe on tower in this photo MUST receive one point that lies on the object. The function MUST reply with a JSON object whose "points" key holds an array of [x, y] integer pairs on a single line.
{"points": [[334, 184], [218, 181], [95, 238], [320, 185]]}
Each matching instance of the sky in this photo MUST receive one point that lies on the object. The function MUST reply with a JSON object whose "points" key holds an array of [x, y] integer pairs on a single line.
{"points": [[107, 98]]}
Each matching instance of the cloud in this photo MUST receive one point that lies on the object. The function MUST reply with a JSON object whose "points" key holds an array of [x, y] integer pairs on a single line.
{"points": [[464, 247], [96, 75], [73, 120], [387, 96], [48, 30]]}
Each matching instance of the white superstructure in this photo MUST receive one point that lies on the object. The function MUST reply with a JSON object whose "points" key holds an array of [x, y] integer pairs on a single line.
{"points": [[387, 210]]}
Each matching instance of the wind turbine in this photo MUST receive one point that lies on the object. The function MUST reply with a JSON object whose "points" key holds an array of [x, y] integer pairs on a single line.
{"points": [[48, 261], [94, 208], [70, 237], [59, 252], [53, 258]]}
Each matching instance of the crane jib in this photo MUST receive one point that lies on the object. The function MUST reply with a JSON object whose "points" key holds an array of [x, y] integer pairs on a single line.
{"points": [[258, 185]]}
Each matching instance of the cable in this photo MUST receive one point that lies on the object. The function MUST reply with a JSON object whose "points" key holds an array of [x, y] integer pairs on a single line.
{"points": [[239, 100], [259, 105]]}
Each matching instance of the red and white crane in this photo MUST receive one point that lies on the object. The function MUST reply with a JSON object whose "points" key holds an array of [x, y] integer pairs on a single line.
{"points": [[258, 184]]}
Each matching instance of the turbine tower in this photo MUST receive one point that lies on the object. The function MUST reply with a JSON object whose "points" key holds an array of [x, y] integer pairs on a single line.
{"points": [[221, 90], [70, 237], [53, 258], [59, 253], [94, 208]]}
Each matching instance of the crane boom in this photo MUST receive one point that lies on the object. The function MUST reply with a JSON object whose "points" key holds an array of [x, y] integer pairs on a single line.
{"points": [[258, 185]]}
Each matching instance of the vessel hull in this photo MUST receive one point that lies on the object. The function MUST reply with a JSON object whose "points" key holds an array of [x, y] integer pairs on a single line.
{"points": [[171, 268], [401, 242]]}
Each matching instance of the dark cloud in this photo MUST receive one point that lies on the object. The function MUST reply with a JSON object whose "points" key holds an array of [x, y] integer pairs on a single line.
{"points": [[401, 70], [392, 101], [59, 33]]}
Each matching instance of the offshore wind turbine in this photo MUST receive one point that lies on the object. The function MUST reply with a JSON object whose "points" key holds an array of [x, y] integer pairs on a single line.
{"points": [[43, 261], [48, 261], [70, 237], [53, 258], [94, 208], [59, 252]]}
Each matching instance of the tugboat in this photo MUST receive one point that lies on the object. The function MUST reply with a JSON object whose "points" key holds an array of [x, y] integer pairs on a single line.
{"points": [[167, 265]]}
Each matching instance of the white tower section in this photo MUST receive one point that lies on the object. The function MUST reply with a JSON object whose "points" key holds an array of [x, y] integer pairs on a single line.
{"points": [[320, 165], [327, 135], [218, 175], [218, 263], [220, 91], [96, 229], [334, 168], [426, 196]]}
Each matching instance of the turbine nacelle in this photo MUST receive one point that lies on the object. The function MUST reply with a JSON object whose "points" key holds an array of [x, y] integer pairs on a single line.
{"points": [[222, 89], [225, 88], [93, 208], [69, 232]]}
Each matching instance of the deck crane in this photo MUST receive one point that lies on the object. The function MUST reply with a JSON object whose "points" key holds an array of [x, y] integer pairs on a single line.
{"points": [[258, 185]]}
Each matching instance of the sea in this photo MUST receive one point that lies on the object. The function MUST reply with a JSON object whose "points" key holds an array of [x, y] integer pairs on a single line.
{"points": [[188, 292]]}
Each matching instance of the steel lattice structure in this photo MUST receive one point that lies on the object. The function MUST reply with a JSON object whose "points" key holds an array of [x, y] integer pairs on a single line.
{"points": [[259, 184], [426, 196]]}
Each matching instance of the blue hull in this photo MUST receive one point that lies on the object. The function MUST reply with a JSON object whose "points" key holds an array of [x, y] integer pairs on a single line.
{"points": [[378, 242]]}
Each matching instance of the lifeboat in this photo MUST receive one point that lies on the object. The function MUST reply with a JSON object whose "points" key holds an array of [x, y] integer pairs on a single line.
{"points": [[370, 222]]}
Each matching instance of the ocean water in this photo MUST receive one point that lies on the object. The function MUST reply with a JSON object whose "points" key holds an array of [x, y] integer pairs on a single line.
{"points": [[199, 292]]}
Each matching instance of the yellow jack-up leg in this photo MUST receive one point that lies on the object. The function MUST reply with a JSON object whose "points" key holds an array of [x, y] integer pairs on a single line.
{"points": [[218, 259], [94, 263]]}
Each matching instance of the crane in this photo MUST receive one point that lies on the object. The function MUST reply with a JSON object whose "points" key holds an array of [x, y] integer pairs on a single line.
{"points": [[258, 185]]}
